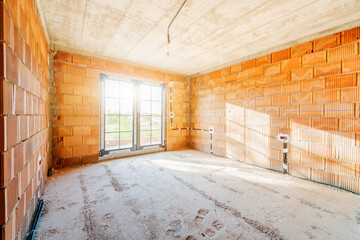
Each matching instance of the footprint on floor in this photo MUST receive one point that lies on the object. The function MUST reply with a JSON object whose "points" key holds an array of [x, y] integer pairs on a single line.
{"points": [[107, 218], [198, 219], [72, 204], [190, 237], [203, 212], [209, 233], [218, 226], [174, 228]]}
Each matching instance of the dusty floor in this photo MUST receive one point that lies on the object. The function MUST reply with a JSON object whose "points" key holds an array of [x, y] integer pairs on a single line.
{"points": [[192, 195]]}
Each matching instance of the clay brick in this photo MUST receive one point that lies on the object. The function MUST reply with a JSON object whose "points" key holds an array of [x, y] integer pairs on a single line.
{"points": [[98, 63], [263, 60], [64, 89], [6, 164], [280, 78], [301, 49], [350, 95], [340, 110], [242, 75], [341, 81], [351, 65], [326, 96], [72, 141], [327, 124], [290, 87], [75, 70], [19, 44], [231, 78], [11, 66], [286, 111], [81, 150], [234, 69], [261, 81], [216, 74], [90, 159], [280, 100], [263, 101], [290, 64], [350, 35], [81, 60], [312, 110], [301, 98], [7, 34], [93, 101], [327, 42], [19, 100], [72, 120], [272, 68], [82, 90], [90, 140], [64, 152], [62, 131], [273, 90], [278, 122], [64, 57], [113, 66], [225, 71], [302, 73], [357, 136], [314, 84], [91, 120], [248, 64], [82, 131], [314, 58], [6, 93], [281, 55], [72, 100], [256, 72], [72, 79], [255, 92], [327, 69], [349, 124], [235, 86], [82, 110], [342, 52]]}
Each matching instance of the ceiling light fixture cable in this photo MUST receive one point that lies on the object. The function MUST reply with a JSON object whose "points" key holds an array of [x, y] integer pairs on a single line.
{"points": [[168, 29]]}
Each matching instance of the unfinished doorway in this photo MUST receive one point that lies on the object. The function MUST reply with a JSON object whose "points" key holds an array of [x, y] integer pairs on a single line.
{"points": [[132, 116]]}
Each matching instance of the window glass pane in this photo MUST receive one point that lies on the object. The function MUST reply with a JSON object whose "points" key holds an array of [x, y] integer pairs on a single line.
{"points": [[126, 90], [126, 123], [111, 88], [156, 93], [125, 139], [145, 92], [156, 108], [145, 138], [112, 123], [111, 106], [145, 123], [156, 122], [111, 141], [145, 108], [156, 137], [126, 107]]}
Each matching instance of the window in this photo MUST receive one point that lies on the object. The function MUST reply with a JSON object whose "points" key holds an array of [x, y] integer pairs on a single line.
{"points": [[131, 114]]}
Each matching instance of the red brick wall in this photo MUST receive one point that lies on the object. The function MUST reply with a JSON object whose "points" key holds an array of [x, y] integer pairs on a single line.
{"points": [[24, 117], [76, 111], [310, 91]]}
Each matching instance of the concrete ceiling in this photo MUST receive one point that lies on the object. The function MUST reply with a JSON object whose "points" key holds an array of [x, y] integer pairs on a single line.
{"points": [[205, 36]]}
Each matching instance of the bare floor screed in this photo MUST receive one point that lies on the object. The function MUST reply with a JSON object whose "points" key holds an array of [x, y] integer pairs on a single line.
{"points": [[192, 195]]}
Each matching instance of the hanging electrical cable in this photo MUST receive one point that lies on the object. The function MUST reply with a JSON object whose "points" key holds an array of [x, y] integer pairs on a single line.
{"points": [[168, 29]]}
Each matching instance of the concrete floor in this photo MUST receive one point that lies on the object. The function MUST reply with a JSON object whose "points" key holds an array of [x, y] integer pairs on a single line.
{"points": [[192, 195]]}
